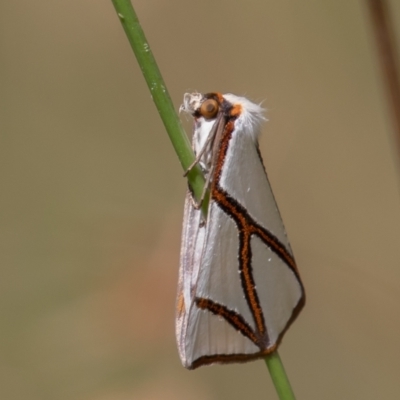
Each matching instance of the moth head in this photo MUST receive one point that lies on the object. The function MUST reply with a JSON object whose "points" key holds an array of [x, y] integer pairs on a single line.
{"points": [[198, 105]]}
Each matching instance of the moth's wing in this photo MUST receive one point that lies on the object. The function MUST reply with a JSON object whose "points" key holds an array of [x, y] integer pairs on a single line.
{"points": [[210, 338], [192, 243], [244, 178], [278, 284]]}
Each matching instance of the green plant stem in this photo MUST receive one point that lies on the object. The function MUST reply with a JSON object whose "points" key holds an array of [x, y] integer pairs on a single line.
{"points": [[160, 95], [382, 24], [181, 143], [279, 377]]}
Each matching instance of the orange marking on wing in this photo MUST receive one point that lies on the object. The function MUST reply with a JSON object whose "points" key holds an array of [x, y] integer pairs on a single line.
{"points": [[243, 227], [249, 282], [244, 257], [223, 147], [180, 304]]}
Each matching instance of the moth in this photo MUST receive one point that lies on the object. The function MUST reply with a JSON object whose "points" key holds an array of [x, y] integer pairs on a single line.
{"points": [[239, 288]]}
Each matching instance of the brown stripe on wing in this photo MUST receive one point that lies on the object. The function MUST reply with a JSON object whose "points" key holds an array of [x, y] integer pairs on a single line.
{"points": [[244, 257], [225, 202], [275, 245], [230, 358], [230, 316], [247, 227]]}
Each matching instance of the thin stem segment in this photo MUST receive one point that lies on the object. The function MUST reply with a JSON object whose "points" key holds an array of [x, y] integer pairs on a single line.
{"points": [[385, 41], [160, 95], [279, 377]]}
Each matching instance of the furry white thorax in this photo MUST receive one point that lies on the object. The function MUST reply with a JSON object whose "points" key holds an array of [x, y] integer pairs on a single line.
{"points": [[251, 117]]}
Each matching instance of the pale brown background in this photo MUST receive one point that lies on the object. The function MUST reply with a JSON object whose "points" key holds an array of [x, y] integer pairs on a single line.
{"points": [[92, 195]]}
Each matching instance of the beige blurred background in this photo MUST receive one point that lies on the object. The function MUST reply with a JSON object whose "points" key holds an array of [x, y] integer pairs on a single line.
{"points": [[92, 196]]}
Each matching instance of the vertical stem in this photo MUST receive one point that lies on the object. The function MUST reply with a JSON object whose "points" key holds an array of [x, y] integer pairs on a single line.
{"points": [[279, 377], [384, 38], [160, 95]]}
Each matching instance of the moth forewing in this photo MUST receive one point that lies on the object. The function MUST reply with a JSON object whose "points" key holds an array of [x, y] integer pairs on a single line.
{"points": [[191, 250], [239, 288]]}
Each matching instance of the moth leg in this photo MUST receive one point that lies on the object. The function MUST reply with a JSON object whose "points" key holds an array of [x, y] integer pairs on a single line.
{"points": [[209, 143], [198, 204], [201, 152]]}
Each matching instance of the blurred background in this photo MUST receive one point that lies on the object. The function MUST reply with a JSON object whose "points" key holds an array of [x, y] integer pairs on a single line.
{"points": [[92, 196]]}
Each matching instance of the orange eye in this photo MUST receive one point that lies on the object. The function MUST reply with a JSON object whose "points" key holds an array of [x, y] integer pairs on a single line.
{"points": [[209, 108]]}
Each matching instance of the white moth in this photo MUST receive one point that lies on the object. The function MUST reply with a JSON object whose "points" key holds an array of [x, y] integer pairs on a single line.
{"points": [[239, 288]]}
